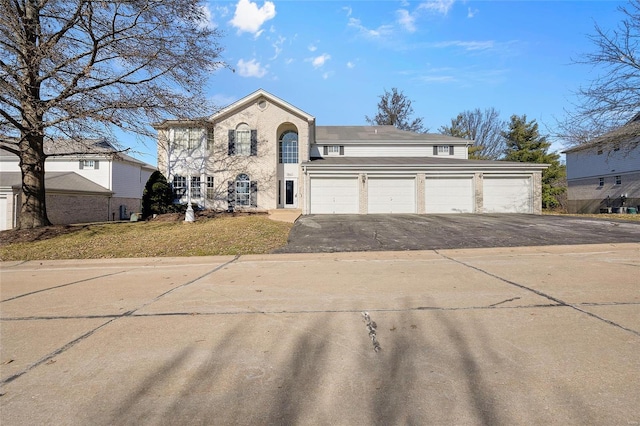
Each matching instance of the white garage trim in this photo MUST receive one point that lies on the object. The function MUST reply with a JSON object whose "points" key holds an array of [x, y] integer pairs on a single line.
{"points": [[391, 195], [449, 194], [4, 206], [334, 195], [507, 194]]}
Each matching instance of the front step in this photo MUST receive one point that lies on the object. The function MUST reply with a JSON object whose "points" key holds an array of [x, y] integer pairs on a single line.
{"points": [[285, 215]]}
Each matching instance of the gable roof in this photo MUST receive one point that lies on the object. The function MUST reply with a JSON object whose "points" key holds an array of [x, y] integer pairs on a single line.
{"points": [[380, 134], [69, 182], [626, 136], [255, 97]]}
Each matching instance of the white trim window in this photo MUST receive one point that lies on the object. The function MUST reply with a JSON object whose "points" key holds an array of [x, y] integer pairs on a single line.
{"points": [[243, 140], [89, 164], [443, 150], [187, 137], [288, 147], [601, 182], [243, 190], [210, 188], [179, 186], [618, 180], [195, 187]]}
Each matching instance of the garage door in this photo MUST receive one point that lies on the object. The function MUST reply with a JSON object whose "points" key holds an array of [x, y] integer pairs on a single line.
{"points": [[507, 195], [449, 194], [334, 195], [392, 195]]}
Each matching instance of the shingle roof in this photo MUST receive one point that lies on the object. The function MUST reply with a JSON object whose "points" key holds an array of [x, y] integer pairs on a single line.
{"points": [[57, 181], [359, 134], [416, 161]]}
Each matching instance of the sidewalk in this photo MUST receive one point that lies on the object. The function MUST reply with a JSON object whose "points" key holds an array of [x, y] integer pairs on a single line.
{"points": [[544, 335]]}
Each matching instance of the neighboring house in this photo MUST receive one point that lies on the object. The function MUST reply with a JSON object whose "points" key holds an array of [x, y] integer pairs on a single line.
{"points": [[263, 153], [84, 182], [604, 175]]}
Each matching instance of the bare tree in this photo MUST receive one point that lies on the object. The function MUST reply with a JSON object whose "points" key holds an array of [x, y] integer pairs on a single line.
{"points": [[394, 109], [484, 128], [613, 98], [77, 68]]}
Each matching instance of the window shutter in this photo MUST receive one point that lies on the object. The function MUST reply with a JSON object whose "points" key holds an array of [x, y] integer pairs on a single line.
{"points": [[326, 150], [341, 149], [231, 195], [81, 164], [435, 150], [254, 142], [450, 149], [254, 193], [232, 142], [96, 165]]}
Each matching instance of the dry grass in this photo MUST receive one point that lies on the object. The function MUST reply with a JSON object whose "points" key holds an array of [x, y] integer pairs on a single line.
{"points": [[205, 237], [602, 216]]}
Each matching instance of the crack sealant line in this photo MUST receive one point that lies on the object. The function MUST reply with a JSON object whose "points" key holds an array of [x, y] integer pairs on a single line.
{"points": [[63, 285], [77, 340], [540, 293]]}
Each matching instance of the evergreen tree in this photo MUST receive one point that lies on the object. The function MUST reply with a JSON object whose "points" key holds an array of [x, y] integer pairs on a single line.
{"points": [[525, 144], [157, 196]]}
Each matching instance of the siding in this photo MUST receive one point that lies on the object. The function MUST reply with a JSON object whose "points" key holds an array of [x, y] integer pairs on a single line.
{"points": [[394, 150], [588, 163]]}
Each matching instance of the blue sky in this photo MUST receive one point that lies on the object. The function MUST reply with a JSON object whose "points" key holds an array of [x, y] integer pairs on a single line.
{"points": [[333, 59]]}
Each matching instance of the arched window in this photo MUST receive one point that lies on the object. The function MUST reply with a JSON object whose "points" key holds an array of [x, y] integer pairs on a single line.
{"points": [[288, 147], [243, 190], [243, 139]]}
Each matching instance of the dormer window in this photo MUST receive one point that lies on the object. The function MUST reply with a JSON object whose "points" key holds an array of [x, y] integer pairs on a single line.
{"points": [[333, 150]]}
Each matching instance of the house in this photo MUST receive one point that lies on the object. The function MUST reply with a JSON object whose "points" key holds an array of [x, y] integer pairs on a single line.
{"points": [[604, 175], [263, 153], [85, 181]]}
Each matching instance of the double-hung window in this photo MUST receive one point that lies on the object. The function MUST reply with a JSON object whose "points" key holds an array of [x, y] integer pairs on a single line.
{"points": [[243, 140], [210, 188], [618, 180], [243, 190], [443, 150], [195, 187], [89, 164], [187, 138], [179, 186]]}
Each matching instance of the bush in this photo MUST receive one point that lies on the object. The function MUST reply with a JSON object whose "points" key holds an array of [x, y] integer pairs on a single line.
{"points": [[157, 197]]}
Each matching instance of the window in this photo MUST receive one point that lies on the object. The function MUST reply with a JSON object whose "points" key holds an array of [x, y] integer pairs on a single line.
{"points": [[243, 191], [89, 164], [443, 150], [601, 181], [210, 139], [333, 150], [288, 147], [618, 180], [210, 188], [195, 187], [179, 186], [188, 138], [243, 140]]}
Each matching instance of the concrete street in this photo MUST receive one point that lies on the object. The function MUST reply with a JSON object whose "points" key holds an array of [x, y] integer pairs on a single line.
{"points": [[495, 336]]}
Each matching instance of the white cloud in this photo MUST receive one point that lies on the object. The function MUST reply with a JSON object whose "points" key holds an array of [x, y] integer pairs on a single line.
{"points": [[312, 48], [249, 17], [351, 65], [348, 10], [319, 61], [466, 45], [207, 18], [472, 13], [381, 31], [251, 68], [277, 46], [326, 75], [406, 20], [438, 6]]}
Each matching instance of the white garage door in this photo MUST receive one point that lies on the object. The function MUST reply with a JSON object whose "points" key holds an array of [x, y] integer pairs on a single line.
{"points": [[507, 195], [392, 195], [334, 195], [449, 194]]}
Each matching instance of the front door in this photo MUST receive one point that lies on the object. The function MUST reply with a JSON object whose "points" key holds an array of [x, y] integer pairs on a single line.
{"points": [[290, 193]]}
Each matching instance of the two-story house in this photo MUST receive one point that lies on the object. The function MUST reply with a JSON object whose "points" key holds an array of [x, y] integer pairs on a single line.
{"points": [[604, 174], [263, 153], [86, 181]]}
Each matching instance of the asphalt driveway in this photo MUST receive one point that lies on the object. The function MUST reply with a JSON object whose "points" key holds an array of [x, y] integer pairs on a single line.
{"points": [[348, 233]]}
